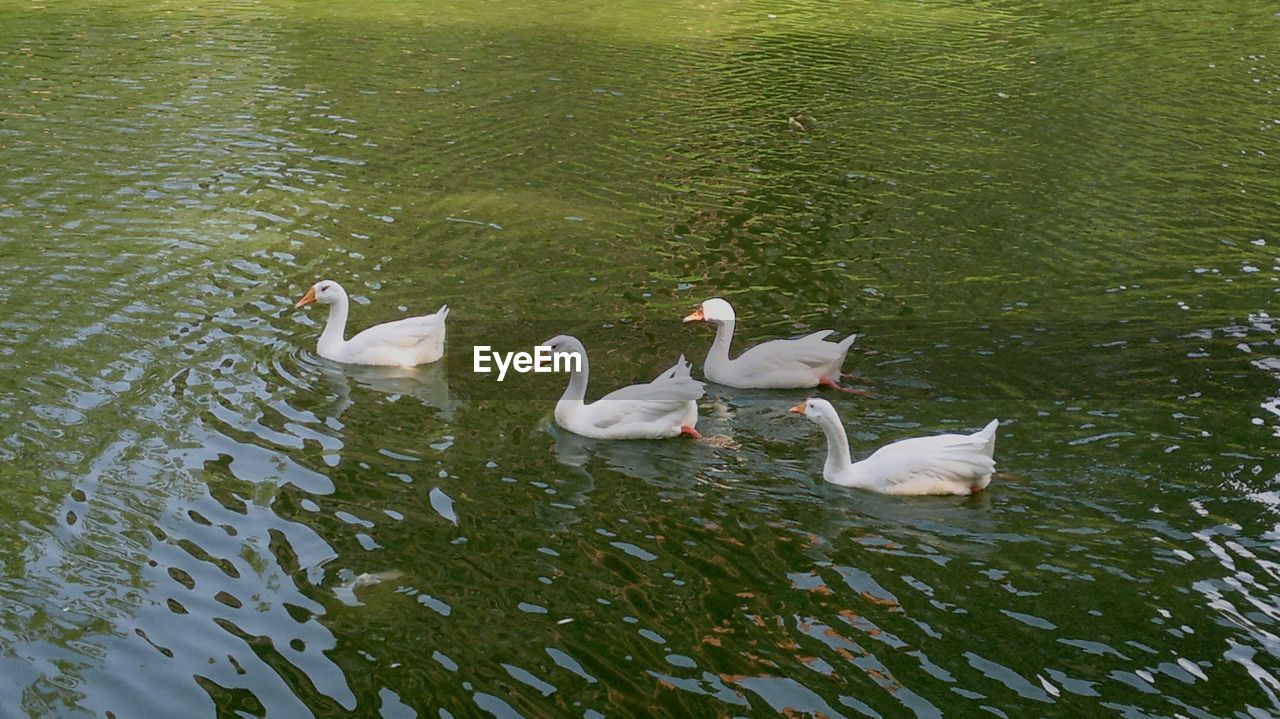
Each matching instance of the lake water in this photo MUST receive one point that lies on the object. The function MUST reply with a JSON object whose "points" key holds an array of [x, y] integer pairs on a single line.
{"points": [[1061, 214]]}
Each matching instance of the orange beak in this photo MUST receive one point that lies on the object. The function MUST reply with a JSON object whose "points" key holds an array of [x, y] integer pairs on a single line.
{"points": [[695, 316], [798, 409], [307, 298]]}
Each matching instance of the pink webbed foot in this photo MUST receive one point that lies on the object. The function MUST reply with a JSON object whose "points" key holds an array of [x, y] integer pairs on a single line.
{"points": [[825, 382], [690, 432]]}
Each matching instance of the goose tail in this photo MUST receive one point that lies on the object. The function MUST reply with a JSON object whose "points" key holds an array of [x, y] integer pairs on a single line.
{"points": [[988, 435]]}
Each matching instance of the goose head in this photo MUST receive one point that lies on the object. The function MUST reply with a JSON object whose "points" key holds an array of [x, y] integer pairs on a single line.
{"points": [[565, 344], [713, 310], [326, 292], [818, 411]]}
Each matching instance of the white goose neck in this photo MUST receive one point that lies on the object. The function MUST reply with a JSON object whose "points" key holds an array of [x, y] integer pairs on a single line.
{"points": [[838, 462], [335, 327], [719, 352], [576, 391]]}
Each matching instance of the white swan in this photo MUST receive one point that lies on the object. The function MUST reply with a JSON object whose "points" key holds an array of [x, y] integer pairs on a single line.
{"points": [[941, 464], [665, 407], [402, 343], [778, 364]]}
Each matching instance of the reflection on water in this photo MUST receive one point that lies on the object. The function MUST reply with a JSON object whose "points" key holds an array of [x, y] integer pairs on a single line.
{"points": [[426, 384], [643, 460], [1043, 212]]}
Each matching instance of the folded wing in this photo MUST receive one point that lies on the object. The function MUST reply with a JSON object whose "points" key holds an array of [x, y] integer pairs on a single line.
{"points": [[405, 333], [810, 351], [958, 458], [650, 401]]}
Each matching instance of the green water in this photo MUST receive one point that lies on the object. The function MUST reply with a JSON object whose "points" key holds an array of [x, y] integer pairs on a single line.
{"points": [[1062, 214]]}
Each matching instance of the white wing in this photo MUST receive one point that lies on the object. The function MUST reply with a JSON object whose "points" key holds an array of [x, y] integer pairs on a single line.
{"points": [[405, 333], [667, 395], [809, 351], [675, 383], [952, 458]]}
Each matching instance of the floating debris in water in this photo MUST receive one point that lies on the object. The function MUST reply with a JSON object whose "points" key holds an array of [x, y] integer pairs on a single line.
{"points": [[802, 122], [466, 221], [346, 592]]}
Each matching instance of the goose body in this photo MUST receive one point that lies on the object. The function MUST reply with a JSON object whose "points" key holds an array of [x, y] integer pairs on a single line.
{"points": [[403, 343], [665, 407], [808, 361], [940, 464]]}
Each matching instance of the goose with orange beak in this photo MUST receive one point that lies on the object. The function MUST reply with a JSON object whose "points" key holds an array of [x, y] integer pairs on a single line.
{"points": [[403, 343], [665, 407], [808, 361], [940, 464]]}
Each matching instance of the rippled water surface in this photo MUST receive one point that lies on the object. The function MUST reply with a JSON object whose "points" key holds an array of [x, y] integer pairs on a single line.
{"points": [[1062, 214]]}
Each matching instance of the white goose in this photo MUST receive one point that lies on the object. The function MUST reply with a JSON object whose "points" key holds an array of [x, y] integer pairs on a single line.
{"points": [[778, 364], [402, 343], [941, 464], [665, 407]]}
